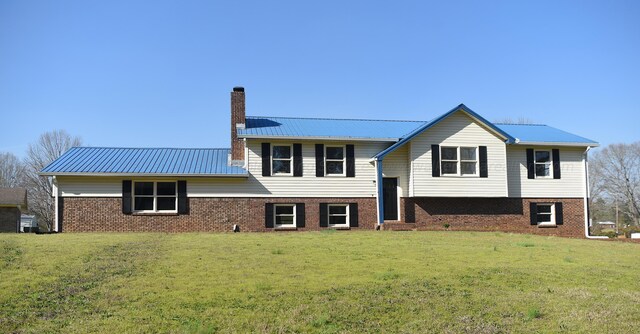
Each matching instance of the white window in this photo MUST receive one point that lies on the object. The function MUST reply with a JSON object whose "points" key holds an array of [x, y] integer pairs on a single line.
{"points": [[281, 160], [334, 160], [338, 215], [545, 215], [543, 163], [459, 160], [155, 197], [284, 215]]}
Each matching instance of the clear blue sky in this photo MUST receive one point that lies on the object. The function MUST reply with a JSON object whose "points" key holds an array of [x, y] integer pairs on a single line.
{"points": [[159, 73]]}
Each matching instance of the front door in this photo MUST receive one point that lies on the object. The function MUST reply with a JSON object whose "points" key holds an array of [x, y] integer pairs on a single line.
{"points": [[390, 197]]}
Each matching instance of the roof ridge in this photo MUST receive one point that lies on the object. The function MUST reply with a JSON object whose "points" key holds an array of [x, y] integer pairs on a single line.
{"points": [[341, 119], [532, 124]]}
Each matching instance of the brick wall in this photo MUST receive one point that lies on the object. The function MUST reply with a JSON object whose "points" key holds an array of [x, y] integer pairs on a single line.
{"points": [[83, 214], [487, 214], [9, 218]]}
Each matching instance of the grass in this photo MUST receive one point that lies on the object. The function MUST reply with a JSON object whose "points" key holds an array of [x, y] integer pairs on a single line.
{"points": [[332, 282]]}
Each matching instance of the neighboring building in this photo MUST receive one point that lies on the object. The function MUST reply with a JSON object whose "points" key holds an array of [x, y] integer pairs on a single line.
{"points": [[607, 225], [458, 170], [12, 202], [28, 223]]}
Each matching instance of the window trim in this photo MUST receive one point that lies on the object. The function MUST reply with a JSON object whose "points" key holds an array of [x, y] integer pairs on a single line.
{"points": [[459, 162], [275, 216], [549, 163], [290, 159], [552, 215], [347, 214], [343, 160], [155, 197]]}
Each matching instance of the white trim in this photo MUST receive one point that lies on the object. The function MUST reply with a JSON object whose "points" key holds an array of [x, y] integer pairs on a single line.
{"points": [[344, 161], [155, 196], [275, 215], [347, 215], [541, 143], [384, 139], [290, 146]]}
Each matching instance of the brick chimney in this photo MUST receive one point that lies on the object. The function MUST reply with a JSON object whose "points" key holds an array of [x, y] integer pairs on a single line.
{"points": [[237, 122]]}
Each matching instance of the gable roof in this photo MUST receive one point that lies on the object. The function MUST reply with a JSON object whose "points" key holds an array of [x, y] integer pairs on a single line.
{"points": [[326, 128], [114, 161], [538, 134], [461, 107], [13, 197]]}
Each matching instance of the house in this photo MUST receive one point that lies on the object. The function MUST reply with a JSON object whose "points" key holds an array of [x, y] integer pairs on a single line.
{"points": [[12, 202], [456, 171]]}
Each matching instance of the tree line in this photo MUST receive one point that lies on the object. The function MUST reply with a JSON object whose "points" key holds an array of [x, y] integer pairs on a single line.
{"points": [[15, 172]]}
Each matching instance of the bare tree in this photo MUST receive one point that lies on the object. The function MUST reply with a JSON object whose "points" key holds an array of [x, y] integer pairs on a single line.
{"points": [[11, 171], [616, 170], [49, 147]]}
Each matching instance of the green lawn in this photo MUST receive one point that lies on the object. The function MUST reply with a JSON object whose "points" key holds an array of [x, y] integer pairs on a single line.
{"points": [[328, 282]]}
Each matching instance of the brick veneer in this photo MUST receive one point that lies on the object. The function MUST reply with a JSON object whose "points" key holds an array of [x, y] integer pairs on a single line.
{"points": [[85, 214], [487, 214]]}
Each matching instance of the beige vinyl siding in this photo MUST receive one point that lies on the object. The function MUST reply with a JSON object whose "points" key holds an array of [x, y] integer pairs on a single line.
{"points": [[571, 183], [395, 164], [362, 185], [458, 130], [256, 185]]}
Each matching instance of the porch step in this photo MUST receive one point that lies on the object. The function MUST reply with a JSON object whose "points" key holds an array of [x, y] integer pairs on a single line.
{"points": [[395, 225]]}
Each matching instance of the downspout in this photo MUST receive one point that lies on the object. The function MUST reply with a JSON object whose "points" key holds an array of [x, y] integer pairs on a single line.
{"points": [[379, 197], [54, 186], [586, 198]]}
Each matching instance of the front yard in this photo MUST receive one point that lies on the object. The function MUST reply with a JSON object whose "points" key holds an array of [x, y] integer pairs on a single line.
{"points": [[451, 282]]}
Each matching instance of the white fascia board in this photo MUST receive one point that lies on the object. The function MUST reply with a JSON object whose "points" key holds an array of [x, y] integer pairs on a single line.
{"points": [[386, 139], [547, 143]]}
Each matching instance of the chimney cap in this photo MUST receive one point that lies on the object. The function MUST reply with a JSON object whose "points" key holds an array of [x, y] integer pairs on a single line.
{"points": [[238, 89]]}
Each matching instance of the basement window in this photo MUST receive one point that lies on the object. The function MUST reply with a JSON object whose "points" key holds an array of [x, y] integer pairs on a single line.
{"points": [[338, 215], [545, 215], [284, 215], [155, 197]]}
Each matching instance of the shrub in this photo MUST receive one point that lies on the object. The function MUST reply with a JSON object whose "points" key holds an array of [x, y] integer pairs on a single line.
{"points": [[631, 229], [446, 226]]}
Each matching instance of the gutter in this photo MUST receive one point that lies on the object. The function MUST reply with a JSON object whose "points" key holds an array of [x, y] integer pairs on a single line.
{"points": [[142, 175], [586, 199]]}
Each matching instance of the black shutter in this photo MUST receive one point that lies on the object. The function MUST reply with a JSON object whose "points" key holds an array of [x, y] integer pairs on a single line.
{"points": [[555, 155], [324, 215], [268, 215], [351, 164], [297, 159], [533, 213], [266, 159], [183, 203], [126, 197], [319, 160], [300, 215], [484, 168], [435, 160], [353, 214], [60, 213], [559, 217], [531, 167]]}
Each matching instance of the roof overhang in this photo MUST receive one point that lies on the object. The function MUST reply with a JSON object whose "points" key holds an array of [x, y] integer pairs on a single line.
{"points": [[382, 139], [546, 143], [147, 175]]}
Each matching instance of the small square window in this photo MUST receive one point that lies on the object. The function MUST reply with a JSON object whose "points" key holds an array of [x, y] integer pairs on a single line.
{"points": [[545, 216], [338, 215], [284, 215]]}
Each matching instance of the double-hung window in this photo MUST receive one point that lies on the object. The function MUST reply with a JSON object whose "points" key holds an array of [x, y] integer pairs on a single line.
{"points": [[334, 160], [459, 160], [545, 215], [284, 215], [543, 163], [155, 197], [338, 215], [281, 160]]}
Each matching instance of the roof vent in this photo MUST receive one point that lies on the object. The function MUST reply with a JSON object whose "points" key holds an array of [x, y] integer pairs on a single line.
{"points": [[238, 89]]}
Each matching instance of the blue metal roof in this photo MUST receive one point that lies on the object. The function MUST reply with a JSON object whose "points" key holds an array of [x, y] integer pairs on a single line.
{"points": [[540, 134], [353, 129], [144, 161]]}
